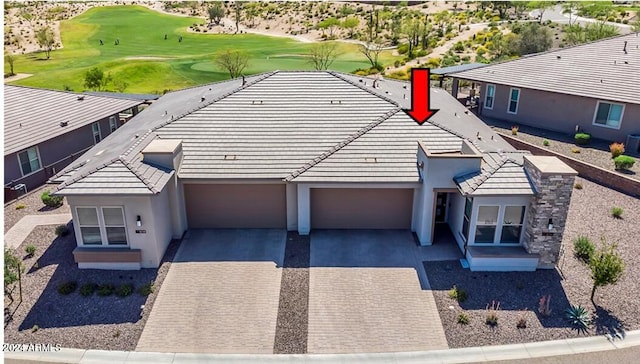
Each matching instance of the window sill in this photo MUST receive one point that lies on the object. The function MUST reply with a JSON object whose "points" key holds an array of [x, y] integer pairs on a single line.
{"points": [[607, 126]]}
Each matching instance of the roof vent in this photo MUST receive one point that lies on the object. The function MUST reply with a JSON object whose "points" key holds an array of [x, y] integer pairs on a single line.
{"points": [[360, 80], [625, 47], [80, 97], [202, 99], [404, 87], [231, 157], [371, 160], [64, 123], [558, 57]]}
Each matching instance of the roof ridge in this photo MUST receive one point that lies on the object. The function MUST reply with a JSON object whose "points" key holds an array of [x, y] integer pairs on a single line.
{"points": [[338, 75], [218, 82], [199, 107], [342, 144], [489, 172], [133, 170]]}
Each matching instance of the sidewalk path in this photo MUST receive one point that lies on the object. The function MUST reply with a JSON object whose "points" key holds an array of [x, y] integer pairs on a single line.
{"points": [[16, 235]]}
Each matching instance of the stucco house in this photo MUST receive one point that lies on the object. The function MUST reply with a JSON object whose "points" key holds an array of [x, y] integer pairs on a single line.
{"points": [[593, 87], [45, 130], [313, 150]]}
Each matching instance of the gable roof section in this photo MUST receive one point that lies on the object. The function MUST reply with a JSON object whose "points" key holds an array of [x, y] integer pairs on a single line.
{"points": [[599, 70], [501, 174], [32, 116]]}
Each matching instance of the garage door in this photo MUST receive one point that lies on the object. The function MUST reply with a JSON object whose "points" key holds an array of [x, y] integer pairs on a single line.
{"points": [[366, 208], [236, 206]]}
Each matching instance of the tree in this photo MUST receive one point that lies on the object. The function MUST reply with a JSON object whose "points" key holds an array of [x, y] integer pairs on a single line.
{"points": [[635, 26], [12, 272], [568, 8], [541, 6], [412, 30], [535, 38], [350, 23], [95, 79], [606, 267], [238, 14], [233, 61], [216, 12], [330, 23], [10, 60], [46, 40], [577, 34], [251, 11], [372, 52], [322, 55]]}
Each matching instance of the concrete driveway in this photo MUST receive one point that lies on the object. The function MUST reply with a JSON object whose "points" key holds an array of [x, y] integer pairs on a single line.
{"points": [[365, 294], [220, 294]]}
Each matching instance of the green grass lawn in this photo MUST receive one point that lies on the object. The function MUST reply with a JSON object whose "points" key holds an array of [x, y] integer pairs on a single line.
{"points": [[141, 32]]}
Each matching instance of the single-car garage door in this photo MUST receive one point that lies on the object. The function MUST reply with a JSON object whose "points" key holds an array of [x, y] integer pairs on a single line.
{"points": [[365, 208], [236, 206]]}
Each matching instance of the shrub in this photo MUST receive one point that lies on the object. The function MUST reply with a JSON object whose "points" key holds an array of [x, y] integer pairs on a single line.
{"points": [[514, 130], [403, 48], [62, 230], [51, 201], [35, 328], [624, 162], [606, 267], [546, 143], [124, 290], [543, 305], [20, 206], [577, 186], [522, 321], [87, 289], [463, 318], [575, 150], [492, 313], [578, 317], [30, 250], [617, 212], [584, 248], [582, 138], [67, 288], [146, 290], [105, 290], [457, 294], [616, 149]]}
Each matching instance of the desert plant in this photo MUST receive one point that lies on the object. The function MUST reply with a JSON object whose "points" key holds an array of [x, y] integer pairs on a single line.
{"points": [[577, 186], [617, 212], [87, 289], [578, 317], [492, 313], [62, 230], [30, 250], [616, 149], [575, 150], [146, 289], [35, 328], [20, 206], [124, 290], [606, 266], [51, 201], [457, 294], [544, 305], [522, 320], [623, 162], [463, 318], [584, 248], [582, 138], [514, 130], [105, 290], [67, 288], [546, 143]]}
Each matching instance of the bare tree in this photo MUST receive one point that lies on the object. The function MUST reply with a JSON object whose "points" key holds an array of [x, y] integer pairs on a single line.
{"points": [[233, 61], [46, 40], [10, 60], [321, 56], [372, 51], [238, 15]]}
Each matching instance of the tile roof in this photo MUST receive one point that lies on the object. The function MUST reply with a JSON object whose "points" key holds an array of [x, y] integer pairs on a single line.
{"points": [[600, 70], [294, 126], [32, 116], [500, 174]]}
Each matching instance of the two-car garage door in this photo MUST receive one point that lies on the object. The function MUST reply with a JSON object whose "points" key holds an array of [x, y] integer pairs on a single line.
{"points": [[264, 206]]}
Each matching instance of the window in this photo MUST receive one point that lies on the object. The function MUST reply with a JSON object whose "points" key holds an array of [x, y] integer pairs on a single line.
{"points": [[512, 224], [486, 224], [608, 115], [29, 160], [104, 226], [468, 204], [113, 124], [489, 97], [95, 127], [514, 98]]}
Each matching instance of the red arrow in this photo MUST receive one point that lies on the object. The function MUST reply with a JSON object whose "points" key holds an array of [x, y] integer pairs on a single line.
{"points": [[420, 102]]}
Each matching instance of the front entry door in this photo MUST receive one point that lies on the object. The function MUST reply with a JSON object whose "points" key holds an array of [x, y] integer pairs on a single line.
{"points": [[441, 206]]}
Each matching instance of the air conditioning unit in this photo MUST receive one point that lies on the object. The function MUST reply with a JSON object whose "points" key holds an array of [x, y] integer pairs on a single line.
{"points": [[632, 146]]}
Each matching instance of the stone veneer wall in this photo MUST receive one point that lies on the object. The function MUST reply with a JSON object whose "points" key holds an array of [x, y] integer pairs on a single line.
{"points": [[551, 201]]}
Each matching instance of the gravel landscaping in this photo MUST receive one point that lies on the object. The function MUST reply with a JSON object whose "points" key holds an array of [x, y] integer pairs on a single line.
{"points": [[596, 152], [94, 322], [32, 206], [519, 292]]}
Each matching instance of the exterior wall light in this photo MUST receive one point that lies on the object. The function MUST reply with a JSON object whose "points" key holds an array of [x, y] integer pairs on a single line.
{"points": [[550, 224], [138, 221]]}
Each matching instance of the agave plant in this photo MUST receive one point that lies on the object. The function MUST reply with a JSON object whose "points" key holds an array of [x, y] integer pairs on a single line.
{"points": [[578, 317]]}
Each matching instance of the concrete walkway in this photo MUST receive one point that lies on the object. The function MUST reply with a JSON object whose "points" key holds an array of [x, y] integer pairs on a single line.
{"points": [[559, 350], [16, 235]]}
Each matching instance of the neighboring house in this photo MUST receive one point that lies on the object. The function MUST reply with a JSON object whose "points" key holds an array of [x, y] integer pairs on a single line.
{"points": [[594, 87], [45, 130], [313, 150]]}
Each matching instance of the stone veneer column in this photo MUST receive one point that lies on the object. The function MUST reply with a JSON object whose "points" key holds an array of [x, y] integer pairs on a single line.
{"points": [[553, 182]]}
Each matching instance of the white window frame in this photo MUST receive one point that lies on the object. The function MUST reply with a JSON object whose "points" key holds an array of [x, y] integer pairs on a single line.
{"points": [[497, 235], [477, 223], [517, 101], [595, 115], [98, 134], [113, 124], [502, 224], [39, 161], [103, 227], [493, 97]]}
